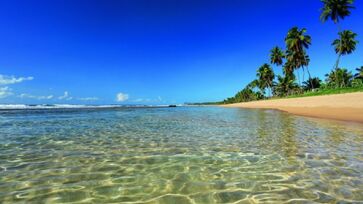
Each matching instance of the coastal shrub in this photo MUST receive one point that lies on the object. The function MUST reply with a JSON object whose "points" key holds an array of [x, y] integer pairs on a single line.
{"points": [[357, 83], [359, 74], [339, 78], [312, 84]]}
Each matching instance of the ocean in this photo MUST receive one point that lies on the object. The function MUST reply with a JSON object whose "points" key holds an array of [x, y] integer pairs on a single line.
{"points": [[114, 154]]}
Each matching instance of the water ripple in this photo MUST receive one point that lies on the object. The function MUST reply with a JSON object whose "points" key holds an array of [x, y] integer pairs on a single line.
{"points": [[182, 155]]}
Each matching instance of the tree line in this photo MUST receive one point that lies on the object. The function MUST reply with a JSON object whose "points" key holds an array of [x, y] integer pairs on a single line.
{"points": [[294, 58]]}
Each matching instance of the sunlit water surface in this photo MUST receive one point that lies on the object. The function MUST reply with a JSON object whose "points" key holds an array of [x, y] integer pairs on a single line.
{"points": [[177, 155]]}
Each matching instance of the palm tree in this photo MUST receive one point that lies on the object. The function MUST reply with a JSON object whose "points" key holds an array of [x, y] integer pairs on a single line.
{"points": [[253, 84], [276, 56], [359, 75], [245, 95], [285, 86], [265, 75], [258, 87], [296, 42], [336, 10], [296, 60], [290, 65], [312, 83], [345, 44], [339, 78]]}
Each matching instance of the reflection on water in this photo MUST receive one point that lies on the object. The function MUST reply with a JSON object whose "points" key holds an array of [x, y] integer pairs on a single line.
{"points": [[180, 155]]}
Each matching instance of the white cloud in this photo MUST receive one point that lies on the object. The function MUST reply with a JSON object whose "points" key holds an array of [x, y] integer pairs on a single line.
{"points": [[5, 80], [65, 96], [35, 97], [5, 92], [120, 97], [88, 99]]}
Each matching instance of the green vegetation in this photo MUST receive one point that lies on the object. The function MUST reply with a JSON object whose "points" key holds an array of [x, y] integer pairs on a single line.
{"points": [[295, 58], [359, 74], [327, 91]]}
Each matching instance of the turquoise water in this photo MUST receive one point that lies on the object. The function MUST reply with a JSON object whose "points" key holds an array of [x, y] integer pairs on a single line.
{"points": [[177, 155]]}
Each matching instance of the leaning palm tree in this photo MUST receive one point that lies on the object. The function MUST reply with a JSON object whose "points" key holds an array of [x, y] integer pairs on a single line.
{"points": [[246, 94], [297, 41], [265, 75], [345, 44], [253, 84]]}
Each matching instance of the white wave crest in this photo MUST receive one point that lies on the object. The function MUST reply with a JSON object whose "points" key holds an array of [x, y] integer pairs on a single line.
{"points": [[68, 106], [55, 106]]}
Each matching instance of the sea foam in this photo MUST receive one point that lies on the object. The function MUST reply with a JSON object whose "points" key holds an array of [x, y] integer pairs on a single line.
{"points": [[67, 106]]}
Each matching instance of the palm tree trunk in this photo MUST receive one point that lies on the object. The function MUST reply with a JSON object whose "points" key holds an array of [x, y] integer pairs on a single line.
{"points": [[303, 75], [298, 77], [340, 52], [270, 93], [337, 66], [311, 82], [270, 88], [337, 62]]}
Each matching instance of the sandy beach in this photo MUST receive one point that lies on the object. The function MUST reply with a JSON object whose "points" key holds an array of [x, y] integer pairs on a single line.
{"points": [[347, 107]]}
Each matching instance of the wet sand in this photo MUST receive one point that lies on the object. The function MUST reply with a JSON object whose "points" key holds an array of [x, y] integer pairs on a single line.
{"points": [[347, 107]]}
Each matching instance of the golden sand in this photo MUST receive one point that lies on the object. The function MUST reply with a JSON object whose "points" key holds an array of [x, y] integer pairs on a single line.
{"points": [[348, 107]]}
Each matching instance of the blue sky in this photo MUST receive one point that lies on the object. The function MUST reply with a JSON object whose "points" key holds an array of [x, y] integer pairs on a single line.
{"points": [[152, 51]]}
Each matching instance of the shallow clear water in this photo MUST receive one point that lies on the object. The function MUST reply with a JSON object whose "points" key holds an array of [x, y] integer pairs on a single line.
{"points": [[177, 155]]}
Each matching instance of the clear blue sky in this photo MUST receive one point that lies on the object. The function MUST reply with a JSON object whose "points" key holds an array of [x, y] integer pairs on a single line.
{"points": [[152, 51]]}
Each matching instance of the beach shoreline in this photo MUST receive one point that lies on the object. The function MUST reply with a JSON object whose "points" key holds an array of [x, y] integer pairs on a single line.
{"points": [[344, 107]]}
